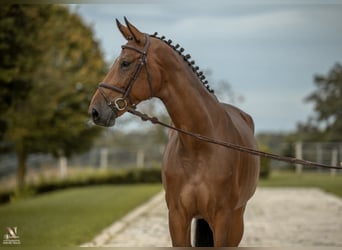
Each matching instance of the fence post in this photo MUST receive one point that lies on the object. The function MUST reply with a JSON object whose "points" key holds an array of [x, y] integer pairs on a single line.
{"points": [[63, 166], [104, 158], [299, 155], [334, 154], [319, 154], [140, 158]]}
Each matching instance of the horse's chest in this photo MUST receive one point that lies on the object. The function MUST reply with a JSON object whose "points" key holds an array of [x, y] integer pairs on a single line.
{"points": [[193, 181], [195, 169], [193, 186]]}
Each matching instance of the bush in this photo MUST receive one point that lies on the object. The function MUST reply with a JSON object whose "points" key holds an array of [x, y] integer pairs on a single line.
{"points": [[5, 196], [88, 178], [117, 176], [265, 168], [265, 164]]}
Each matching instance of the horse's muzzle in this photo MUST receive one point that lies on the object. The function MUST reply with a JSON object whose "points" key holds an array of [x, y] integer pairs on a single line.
{"points": [[102, 116]]}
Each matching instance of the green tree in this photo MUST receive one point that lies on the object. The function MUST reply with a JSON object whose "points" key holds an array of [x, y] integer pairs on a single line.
{"points": [[56, 76], [326, 125], [18, 51]]}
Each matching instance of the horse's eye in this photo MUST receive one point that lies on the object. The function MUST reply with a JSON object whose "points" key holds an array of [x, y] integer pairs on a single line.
{"points": [[125, 64]]}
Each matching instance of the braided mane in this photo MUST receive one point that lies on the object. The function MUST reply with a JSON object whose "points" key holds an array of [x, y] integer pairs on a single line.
{"points": [[186, 58]]}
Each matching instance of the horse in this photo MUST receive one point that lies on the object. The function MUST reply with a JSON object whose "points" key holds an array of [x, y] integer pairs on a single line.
{"points": [[207, 183]]}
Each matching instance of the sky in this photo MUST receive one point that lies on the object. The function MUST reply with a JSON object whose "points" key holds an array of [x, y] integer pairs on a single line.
{"points": [[268, 51]]}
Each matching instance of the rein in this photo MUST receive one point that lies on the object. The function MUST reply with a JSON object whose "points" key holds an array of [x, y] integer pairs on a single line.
{"points": [[120, 104], [292, 160]]}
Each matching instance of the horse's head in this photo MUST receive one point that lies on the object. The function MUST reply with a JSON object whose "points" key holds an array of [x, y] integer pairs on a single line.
{"points": [[129, 81]]}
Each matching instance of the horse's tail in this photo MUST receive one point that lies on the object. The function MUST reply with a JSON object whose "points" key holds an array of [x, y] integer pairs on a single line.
{"points": [[203, 234]]}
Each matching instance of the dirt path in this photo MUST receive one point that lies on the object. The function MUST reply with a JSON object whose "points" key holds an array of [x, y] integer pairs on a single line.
{"points": [[277, 217]]}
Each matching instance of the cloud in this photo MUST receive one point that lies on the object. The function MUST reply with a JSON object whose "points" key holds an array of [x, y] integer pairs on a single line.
{"points": [[272, 26], [269, 52]]}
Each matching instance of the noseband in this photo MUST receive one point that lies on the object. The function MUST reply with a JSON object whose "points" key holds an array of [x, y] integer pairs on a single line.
{"points": [[120, 103]]}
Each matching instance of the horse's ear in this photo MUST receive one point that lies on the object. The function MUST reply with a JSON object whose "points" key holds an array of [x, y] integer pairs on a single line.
{"points": [[136, 34], [124, 30]]}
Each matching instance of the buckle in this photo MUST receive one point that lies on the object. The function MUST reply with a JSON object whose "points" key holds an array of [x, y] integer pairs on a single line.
{"points": [[120, 104]]}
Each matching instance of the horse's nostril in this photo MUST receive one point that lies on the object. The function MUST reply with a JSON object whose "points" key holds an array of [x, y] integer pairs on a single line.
{"points": [[95, 114]]}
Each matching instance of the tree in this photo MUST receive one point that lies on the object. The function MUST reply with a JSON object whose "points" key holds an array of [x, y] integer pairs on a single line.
{"points": [[17, 49], [326, 125], [47, 95]]}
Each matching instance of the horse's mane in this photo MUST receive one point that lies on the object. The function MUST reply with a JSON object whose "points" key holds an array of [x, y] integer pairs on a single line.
{"points": [[186, 58]]}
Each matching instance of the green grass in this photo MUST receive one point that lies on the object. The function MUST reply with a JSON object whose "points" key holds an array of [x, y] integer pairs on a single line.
{"points": [[73, 216], [331, 184]]}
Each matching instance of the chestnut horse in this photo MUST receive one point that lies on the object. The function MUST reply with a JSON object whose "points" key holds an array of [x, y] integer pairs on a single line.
{"points": [[202, 181]]}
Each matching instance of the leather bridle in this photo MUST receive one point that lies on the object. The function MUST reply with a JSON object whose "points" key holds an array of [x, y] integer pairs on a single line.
{"points": [[121, 103]]}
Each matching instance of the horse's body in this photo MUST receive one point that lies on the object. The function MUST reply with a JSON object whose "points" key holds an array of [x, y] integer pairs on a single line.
{"points": [[201, 180]]}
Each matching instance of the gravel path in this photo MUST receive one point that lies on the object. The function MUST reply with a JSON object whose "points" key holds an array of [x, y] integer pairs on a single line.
{"points": [[275, 217]]}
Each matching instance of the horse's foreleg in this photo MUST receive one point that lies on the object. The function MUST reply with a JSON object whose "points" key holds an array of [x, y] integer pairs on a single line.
{"points": [[236, 231], [179, 226], [228, 228]]}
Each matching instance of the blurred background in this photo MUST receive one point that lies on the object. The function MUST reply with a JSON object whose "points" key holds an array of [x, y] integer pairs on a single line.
{"points": [[279, 61]]}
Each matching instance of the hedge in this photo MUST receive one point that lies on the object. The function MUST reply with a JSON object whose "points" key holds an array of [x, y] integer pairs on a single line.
{"points": [[117, 176], [114, 176]]}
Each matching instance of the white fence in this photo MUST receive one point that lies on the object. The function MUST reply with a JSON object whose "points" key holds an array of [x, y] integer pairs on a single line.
{"points": [[95, 158], [325, 153]]}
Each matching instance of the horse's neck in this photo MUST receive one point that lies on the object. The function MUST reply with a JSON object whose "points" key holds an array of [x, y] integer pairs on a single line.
{"points": [[190, 105]]}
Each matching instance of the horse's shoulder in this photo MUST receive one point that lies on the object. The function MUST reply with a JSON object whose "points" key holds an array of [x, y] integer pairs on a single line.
{"points": [[235, 112]]}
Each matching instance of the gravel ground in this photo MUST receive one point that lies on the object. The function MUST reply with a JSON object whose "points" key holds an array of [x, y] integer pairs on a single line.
{"points": [[275, 217]]}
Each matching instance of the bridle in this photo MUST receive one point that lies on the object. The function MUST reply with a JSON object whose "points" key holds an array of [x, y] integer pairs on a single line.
{"points": [[120, 103]]}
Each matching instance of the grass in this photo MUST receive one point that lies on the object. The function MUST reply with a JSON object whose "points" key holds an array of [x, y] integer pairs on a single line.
{"points": [[73, 216], [324, 181]]}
